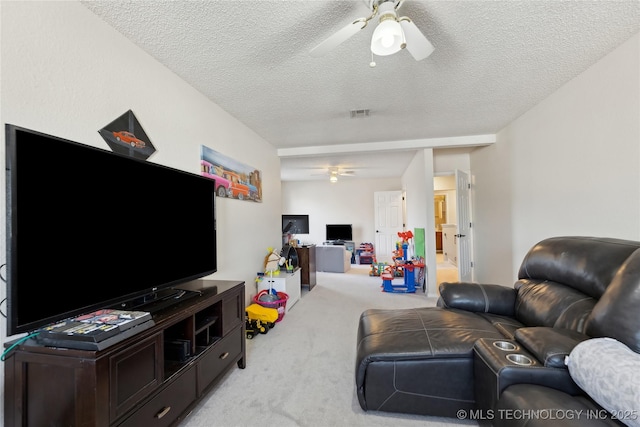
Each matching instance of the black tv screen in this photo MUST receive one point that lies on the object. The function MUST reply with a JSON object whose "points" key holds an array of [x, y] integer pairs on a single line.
{"points": [[341, 232], [90, 229], [295, 224]]}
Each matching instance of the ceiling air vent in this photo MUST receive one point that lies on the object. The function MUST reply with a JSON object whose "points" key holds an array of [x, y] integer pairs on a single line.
{"points": [[359, 114]]}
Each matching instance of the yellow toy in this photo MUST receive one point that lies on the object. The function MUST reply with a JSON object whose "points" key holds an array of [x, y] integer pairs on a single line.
{"points": [[259, 319]]}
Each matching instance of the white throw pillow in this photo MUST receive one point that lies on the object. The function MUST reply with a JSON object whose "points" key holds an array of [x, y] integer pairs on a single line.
{"points": [[609, 372]]}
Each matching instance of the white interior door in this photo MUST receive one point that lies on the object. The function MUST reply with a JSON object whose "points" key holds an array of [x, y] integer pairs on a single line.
{"points": [[463, 220], [388, 216]]}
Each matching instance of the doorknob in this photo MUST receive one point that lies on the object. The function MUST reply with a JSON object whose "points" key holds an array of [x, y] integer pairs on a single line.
{"points": [[459, 235]]}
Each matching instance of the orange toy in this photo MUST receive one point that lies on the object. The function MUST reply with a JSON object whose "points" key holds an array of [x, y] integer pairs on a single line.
{"points": [[405, 235]]}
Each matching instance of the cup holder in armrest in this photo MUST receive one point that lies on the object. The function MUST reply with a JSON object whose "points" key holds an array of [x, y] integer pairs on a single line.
{"points": [[519, 359], [505, 345]]}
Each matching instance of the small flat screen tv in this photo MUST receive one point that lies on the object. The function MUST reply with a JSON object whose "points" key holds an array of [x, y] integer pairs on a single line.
{"points": [[90, 229], [339, 232], [295, 224]]}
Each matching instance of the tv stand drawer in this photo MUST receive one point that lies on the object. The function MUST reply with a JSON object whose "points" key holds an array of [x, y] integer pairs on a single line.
{"points": [[163, 409]]}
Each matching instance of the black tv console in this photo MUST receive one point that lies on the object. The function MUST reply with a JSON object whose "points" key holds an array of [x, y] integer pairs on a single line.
{"points": [[151, 379]]}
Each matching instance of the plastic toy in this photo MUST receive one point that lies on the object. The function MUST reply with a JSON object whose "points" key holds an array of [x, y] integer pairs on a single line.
{"points": [[409, 282], [264, 314], [259, 319], [254, 327], [405, 236], [403, 267], [273, 261], [377, 268]]}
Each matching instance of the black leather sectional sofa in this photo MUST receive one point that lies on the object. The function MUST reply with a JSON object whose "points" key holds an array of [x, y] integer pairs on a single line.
{"points": [[497, 354]]}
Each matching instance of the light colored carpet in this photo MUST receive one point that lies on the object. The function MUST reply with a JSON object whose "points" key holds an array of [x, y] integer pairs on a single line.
{"points": [[445, 271], [301, 373]]}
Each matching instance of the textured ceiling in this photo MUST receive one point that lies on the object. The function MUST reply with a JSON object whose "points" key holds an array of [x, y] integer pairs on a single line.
{"points": [[493, 61]]}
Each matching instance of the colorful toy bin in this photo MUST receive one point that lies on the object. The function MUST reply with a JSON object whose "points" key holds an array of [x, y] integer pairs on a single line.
{"points": [[278, 301]]}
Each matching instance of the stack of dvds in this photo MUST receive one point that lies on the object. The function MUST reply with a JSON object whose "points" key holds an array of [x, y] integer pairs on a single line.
{"points": [[95, 331]]}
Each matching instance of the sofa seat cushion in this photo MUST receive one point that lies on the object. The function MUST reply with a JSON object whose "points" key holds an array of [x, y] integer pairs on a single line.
{"points": [[533, 405], [418, 360], [421, 332]]}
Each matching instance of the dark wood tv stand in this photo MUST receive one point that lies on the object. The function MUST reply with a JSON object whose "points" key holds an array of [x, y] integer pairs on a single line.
{"points": [[307, 259], [141, 381]]}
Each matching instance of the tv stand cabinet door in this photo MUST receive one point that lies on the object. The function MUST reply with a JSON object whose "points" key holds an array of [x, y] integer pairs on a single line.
{"points": [[135, 372], [40, 388], [232, 312]]}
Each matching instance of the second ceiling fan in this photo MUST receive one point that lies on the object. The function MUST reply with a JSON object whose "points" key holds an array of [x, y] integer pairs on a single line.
{"points": [[392, 34], [335, 171]]}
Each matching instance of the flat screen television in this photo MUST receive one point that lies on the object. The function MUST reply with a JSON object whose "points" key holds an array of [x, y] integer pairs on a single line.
{"points": [[90, 229], [295, 224], [339, 232]]}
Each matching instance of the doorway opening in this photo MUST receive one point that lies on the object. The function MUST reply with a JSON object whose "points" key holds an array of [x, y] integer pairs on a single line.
{"points": [[444, 200]]}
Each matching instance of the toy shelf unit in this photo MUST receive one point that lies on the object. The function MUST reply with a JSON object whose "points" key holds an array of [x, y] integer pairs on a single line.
{"points": [[153, 378], [365, 254]]}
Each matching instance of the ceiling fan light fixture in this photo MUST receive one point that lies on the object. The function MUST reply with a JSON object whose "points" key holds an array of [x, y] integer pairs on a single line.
{"points": [[388, 37], [333, 179]]}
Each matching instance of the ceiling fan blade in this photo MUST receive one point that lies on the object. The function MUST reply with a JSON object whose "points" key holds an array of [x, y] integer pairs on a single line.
{"points": [[417, 44], [337, 38]]}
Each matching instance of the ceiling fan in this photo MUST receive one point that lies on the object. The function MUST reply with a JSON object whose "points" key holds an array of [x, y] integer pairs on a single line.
{"points": [[334, 172], [392, 34]]}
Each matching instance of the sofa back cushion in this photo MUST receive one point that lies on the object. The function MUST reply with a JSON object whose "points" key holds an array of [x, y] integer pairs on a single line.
{"points": [[587, 264], [551, 304], [617, 313]]}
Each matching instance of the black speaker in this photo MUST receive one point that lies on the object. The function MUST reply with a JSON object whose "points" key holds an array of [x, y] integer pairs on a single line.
{"points": [[177, 350]]}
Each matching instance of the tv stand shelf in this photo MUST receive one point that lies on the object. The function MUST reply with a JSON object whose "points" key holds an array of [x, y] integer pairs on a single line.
{"points": [[151, 379]]}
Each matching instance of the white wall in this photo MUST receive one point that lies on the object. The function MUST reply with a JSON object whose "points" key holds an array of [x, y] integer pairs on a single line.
{"points": [[446, 161], [569, 166], [66, 73], [417, 183], [348, 201]]}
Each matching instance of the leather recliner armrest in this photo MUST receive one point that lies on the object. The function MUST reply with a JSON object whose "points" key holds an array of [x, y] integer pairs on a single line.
{"points": [[549, 345], [477, 297]]}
